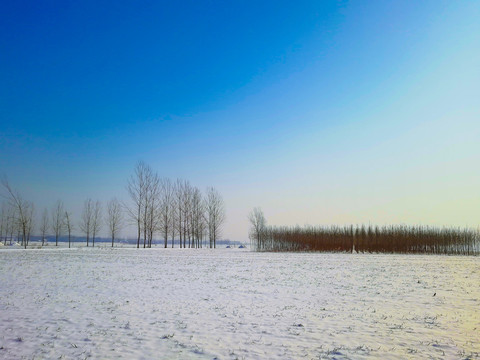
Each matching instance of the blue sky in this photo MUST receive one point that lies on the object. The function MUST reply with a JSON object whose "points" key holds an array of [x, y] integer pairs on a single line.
{"points": [[319, 112]]}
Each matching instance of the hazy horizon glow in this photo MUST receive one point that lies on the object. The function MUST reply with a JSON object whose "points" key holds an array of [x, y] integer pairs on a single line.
{"points": [[318, 112]]}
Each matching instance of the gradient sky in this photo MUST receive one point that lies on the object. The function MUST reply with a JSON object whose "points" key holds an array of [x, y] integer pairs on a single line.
{"points": [[318, 112]]}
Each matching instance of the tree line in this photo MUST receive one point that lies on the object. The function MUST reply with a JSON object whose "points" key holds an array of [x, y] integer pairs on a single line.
{"points": [[360, 238], [157, 207], [175, 210]]}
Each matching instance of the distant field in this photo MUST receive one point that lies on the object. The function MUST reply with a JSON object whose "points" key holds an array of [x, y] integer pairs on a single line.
{"points": [[108, 303]]}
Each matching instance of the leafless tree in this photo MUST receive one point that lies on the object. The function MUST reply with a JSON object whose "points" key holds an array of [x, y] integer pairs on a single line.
{"points": [[44, 225], [136, 188], [69, 226], [151, 219], [96, 220], [86, 221], [9, 224], [23, 211], [158, 205], [197, 218], [183, 197], [58, 225], [173, 226], [3, 223], [188, 214], [215, 215], [258, 224], [166, 209], [30, 222], [396, 239], [144, 190], [179, 185], [114, 218]]}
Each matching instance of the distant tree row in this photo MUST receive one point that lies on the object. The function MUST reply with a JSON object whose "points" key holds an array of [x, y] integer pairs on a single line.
{"points": [[158, 206], [379, 239], [17, 219], [175, 210]]}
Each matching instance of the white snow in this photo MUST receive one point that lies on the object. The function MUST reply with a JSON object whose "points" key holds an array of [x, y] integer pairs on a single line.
{"points": [[231, 303]]}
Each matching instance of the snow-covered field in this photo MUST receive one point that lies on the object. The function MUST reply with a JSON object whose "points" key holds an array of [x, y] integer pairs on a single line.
{"points": [[231, 303]]}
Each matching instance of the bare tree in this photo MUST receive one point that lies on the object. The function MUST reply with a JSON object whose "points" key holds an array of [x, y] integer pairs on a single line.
{"points": [[9, 223], [152, 206], [258, 226], [197, 218], [114, 218], [30, 222], [215, 215], [173, 216], [44, 225], [3, 223], [187, 213], [400, 239], [87, 218], [58, 226], [137, 190], [23, 212], [183, 195], [144, 190], [68, 226], [179, 185], [96, 220], [158, 205], [166, 209]]}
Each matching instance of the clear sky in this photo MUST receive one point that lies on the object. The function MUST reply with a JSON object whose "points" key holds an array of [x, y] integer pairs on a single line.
{"points": [[320, 112]]}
